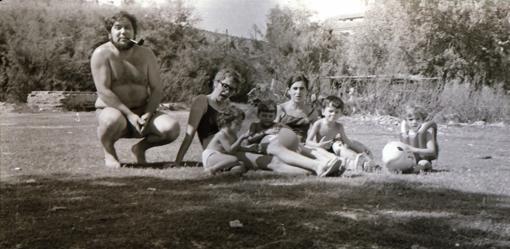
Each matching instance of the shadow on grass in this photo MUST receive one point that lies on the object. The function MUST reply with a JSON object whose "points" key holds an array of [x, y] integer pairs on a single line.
{"points": [[273, 212], [162, 165]]}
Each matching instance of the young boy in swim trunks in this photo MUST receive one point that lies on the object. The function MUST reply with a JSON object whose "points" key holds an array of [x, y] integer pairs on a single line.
{"points": [[329, 134], [219, 155], [420, 136], [265, 127]]}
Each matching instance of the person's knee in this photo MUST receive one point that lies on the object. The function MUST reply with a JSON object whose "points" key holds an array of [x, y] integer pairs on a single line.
{"points": [[167, 126], [111, 118], [425, 164], [288, 139]]}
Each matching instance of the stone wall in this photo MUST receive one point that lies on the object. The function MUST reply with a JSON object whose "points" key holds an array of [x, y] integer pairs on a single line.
{"points": [[61, 100]]}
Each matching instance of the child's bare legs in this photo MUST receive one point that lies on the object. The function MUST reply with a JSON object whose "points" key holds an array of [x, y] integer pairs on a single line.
{"points": [[355, 161], [349, 156], [218, 162]]}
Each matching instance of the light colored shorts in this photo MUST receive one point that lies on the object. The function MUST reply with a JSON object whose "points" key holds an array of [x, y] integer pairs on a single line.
{"points": [[206, 155]]}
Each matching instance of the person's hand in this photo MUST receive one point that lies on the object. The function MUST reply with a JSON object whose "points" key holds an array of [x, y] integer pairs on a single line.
{"points": [[252, 148], [338, 137], [144, 119], [325, 144], [175, 164], [244, 135], [272, 131], [135, 121], [303, 121], [369, 154]]}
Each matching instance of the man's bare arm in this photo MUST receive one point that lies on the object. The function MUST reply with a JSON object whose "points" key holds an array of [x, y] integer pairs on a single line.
{"points": [[155, 85], [234, 147]]}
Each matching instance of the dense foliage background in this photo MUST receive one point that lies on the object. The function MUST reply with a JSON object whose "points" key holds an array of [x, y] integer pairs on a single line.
{"points": [[463, 46]]}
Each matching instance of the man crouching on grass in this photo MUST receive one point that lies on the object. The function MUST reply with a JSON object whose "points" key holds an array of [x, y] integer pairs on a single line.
{"points": [[129, 90]]}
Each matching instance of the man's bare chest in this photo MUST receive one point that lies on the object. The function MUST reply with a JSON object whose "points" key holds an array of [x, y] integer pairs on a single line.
{"points": [[128, 72]]}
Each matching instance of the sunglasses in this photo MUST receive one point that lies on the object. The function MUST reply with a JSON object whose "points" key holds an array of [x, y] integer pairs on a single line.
{"points": [[228, 87]]}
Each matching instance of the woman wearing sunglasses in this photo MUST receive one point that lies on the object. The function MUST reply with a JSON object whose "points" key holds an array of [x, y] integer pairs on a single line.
{"points": [[205, 108]]}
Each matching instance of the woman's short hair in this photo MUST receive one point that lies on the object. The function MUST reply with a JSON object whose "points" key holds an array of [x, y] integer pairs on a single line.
{"points": [[108, 22], [228, 116], [227, 73], [297, 77]]}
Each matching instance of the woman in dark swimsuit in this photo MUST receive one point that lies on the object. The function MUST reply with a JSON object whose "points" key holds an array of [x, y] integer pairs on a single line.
{"points": [[204, 109], [296, 113]]}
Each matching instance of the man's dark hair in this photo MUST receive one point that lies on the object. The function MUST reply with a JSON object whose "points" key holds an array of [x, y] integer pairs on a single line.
{"points": [[108, 22]]}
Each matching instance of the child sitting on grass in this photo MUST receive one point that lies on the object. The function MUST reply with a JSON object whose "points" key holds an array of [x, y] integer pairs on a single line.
{"points": [[266, 113], [420, 136], [219, 154], [329, 134]]}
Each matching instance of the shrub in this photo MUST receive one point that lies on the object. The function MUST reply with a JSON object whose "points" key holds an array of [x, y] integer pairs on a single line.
{"points": [[47, 46]]}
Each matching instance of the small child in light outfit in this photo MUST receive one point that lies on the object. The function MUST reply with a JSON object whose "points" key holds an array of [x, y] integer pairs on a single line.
{"points": [[219, 155], [329, 134], [420, 136], [265, 128]]}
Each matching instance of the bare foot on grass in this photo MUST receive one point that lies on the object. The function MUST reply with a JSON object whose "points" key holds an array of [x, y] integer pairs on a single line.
{"points": [[111, 162], [138, 153]]}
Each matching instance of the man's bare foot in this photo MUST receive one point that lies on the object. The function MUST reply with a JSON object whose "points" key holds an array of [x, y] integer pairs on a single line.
{"points": [[111, 162], [138, 153]]}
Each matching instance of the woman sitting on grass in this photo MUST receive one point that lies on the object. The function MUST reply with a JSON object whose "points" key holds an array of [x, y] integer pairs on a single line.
{"points": [[204, 110]]}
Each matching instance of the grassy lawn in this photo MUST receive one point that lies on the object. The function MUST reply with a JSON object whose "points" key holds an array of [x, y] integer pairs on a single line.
{"points": [[55, 193]]}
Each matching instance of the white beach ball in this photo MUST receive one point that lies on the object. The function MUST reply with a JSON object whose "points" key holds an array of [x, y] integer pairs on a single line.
{"points": [[396, 156]]}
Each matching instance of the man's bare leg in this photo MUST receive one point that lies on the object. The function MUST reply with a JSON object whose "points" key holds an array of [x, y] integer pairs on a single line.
{"points": [[111, 126], [160, 130]]}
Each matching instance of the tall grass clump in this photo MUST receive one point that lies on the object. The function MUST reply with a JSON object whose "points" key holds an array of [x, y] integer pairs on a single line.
{"points": [[462, 102]]}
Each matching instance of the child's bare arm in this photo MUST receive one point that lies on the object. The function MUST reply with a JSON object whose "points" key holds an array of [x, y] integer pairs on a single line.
{"points": [[343, 136], [311, 138], [404, 132], [429, 129], [429, 151], [232, 147], [357, 147], [254, 134]]}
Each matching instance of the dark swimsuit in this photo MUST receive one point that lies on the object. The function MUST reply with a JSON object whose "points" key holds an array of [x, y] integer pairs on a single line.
{"points": [[292, 122], [207, 126]]}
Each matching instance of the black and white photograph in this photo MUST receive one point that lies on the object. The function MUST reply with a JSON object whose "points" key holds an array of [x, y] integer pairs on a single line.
{"points": [[255, 124]]}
